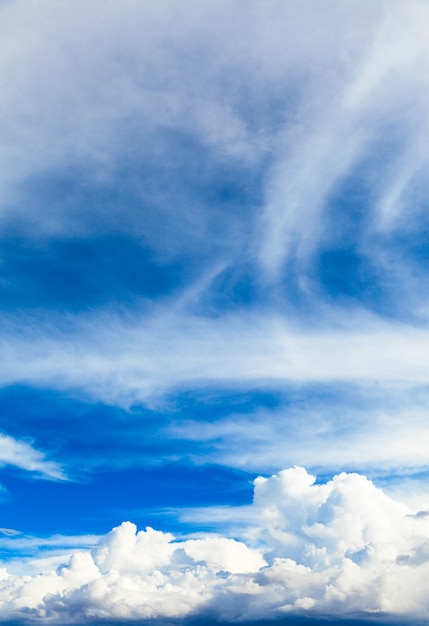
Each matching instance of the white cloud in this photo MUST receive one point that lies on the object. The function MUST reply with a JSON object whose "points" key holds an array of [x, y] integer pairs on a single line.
{"points": [[312, 91], [141, 359], [21, 454], [213, 73], [130, 72], [129, 360], [383, 88], [328, 436], [125, 551], [341, 547], [224, 554]]}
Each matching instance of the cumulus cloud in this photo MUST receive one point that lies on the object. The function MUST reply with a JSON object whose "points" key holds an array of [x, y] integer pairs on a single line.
{"points": [[340, 547]]}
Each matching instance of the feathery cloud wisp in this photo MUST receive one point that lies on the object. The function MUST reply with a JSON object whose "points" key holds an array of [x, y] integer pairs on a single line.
{"points": [[22, 455]]}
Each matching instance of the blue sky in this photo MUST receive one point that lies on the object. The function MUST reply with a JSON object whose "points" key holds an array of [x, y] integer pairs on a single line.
{"points": [[214, 311]]}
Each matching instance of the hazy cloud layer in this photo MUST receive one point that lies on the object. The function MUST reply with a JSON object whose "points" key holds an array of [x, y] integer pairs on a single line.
{"points": [[341, 547], [100, 104]]}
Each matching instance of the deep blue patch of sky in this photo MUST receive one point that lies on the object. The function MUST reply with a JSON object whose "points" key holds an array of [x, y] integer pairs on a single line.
{"points": [[79, 274], [145, 495]]}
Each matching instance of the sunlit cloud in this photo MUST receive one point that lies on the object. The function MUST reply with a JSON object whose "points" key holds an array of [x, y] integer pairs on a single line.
{"points": [[341, 546]]}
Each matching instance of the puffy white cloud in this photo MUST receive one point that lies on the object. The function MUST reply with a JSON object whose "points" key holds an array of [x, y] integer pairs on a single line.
{"points": [[129, 553], [350, 546], [317, 525], [226, 554], [340, 547]]}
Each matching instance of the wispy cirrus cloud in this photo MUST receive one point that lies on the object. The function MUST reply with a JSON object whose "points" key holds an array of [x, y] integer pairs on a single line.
{"points": [[134, 153], [377, 440], [131, 359], [374, 421], [202, 91], [23, 455], [370, 113]]}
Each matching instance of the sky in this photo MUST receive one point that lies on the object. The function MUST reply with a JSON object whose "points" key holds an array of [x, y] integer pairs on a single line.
{"points": [[214, 259]]}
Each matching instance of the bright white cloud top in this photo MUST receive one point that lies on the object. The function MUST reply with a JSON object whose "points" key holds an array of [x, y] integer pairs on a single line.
{"points": [[337, 548], [214, 265]]}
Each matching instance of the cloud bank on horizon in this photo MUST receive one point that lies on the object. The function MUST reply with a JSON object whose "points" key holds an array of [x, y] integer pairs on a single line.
{"points": [[214, 265], [339, 548]]}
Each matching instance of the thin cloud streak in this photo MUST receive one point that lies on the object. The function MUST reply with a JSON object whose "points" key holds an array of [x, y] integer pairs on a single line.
{"points": [[342, 134], [327, 439], [126, 363], [24, 456]]}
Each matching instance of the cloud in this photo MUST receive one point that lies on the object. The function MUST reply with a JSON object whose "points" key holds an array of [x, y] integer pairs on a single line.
{"points": [[136, 78], [378, 426], [157, 108], [338, 138], [357, 429], [22, 455], [126, 361], [305, 94], [267, 164], [342, 547]]}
